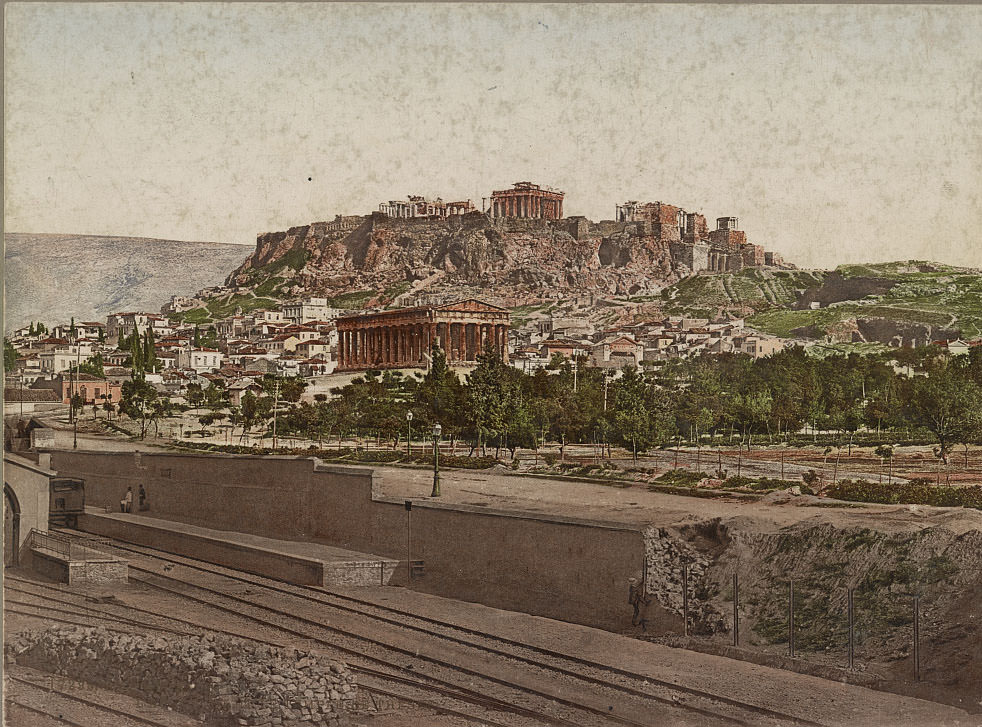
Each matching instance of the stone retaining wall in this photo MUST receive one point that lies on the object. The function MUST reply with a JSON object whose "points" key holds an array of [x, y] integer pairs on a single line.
{"points": [[217, 679]]}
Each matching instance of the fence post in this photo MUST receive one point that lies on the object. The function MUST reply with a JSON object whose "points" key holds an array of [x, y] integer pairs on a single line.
{"points": [[791, 617], [852, 627], [917, 639], [685, 599], [736, 609], [409, 531]]}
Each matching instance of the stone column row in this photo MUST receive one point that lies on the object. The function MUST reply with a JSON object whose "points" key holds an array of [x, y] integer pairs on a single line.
{"points": [[381, 345], [464, 342]]}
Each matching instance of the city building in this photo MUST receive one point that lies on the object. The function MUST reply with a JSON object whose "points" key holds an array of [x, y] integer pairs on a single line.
{"points": [[402, 338], [92, 389], [527, 200], [310, 309], [199, 359], [616, 352]]}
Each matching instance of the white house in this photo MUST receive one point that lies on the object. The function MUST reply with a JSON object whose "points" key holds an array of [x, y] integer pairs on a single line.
{"points": [[200, 359], [311, 309]]}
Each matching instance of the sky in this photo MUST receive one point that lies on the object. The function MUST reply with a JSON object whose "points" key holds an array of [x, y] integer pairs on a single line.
{"points": [[835, 134]]}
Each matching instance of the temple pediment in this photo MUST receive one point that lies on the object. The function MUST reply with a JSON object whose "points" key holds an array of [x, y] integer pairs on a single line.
{"points": [[471, 305]]}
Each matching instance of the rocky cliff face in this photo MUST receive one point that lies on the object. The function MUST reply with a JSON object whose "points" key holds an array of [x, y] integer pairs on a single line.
{"points": [[511, 257]]}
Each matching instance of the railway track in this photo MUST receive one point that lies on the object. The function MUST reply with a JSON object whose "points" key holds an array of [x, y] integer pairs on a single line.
{"points": [[79, 705], [637, 697], [471, 705]]}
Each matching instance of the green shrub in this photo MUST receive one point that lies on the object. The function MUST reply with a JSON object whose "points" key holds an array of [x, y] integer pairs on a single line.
{"points": [[376, 455], [457, 461], [680, 478], [915, 492]]}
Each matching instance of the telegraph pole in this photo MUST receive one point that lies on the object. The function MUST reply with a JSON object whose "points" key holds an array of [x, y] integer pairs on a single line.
{"points": [[71, 407], [276, 403]]}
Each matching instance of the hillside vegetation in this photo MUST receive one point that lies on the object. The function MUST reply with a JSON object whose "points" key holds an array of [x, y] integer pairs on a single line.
{"points": [[747, 291], [934, 297], [919, 293]]}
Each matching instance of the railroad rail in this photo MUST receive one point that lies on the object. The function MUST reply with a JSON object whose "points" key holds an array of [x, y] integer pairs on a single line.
{"points": [[375, 681], [623, 682], [50, 700]]}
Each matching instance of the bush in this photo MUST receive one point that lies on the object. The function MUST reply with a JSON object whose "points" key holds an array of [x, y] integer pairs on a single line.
{"points": [[915, 492], [680, 478], [457, 461], [377, 455]]}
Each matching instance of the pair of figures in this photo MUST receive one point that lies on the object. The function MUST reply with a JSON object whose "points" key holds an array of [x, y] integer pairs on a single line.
{"points": [[126, 504]]}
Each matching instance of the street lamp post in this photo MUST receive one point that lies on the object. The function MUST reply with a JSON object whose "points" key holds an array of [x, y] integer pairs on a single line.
{"points": [[436, 460], [409, 439]]}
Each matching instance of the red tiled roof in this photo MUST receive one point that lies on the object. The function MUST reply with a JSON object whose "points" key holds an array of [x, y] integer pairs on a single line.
{"points": [[17, 394]]}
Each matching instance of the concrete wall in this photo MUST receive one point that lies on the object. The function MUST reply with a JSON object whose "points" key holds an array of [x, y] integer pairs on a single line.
{"points": [[29, 484], [557, 567]]}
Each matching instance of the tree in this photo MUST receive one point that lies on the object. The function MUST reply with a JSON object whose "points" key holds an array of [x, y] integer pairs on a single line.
{"points": [[71, 328], [140, 402], [94, 366], [948, 404], [215, 397], [440, 396], [9, 356], [641, 414], [149, 359], [76, 402], [253, 410], [194, 395], [487, 398], [136, 354]]}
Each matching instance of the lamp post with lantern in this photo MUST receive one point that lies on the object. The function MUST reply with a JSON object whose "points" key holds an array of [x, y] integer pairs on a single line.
{"points": [[409, 439], [436, 460]]}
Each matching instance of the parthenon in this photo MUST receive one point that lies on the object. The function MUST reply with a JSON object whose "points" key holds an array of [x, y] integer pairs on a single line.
{"points": [[402, 338], [527, 200]]}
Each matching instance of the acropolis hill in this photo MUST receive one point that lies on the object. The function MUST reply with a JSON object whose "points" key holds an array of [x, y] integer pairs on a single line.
{"points": [[519, 248]]}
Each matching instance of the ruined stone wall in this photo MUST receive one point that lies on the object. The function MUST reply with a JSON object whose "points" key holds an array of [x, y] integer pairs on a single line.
{"points": [[696, 228], [217, 679], [694, 256], [752, 255], [728, 240]]}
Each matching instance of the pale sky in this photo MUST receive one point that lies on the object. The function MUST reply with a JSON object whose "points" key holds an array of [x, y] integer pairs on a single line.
{"points": [[835, 133]]}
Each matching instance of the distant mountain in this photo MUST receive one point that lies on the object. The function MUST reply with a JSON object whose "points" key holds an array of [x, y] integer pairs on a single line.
{"points": [[54, 277]]}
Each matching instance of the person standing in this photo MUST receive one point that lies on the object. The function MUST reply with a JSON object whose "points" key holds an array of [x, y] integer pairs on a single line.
{"points": [[634, 598], [126, 504], [143, 498]]}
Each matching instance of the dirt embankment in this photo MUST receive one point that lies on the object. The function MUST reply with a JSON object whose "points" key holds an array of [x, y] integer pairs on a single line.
{"points": [[941, 563]]}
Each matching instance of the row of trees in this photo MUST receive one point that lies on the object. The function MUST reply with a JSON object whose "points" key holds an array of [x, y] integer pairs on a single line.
{"points": [[708, 397]]}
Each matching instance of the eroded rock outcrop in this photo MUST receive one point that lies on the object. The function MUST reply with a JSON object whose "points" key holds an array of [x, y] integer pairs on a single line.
{"points": [[513, 256]]}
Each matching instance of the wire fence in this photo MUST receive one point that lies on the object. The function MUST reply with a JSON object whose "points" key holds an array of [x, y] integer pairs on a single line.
{"points": [[849, 627]]}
